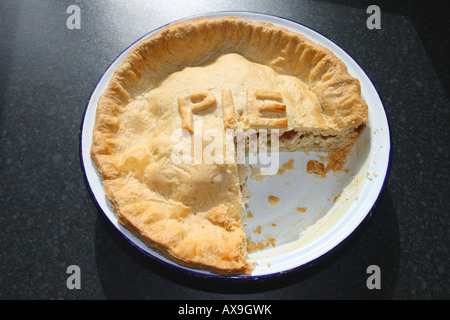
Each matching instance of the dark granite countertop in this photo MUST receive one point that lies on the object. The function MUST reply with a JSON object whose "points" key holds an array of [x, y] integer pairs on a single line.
{"points": [[49, 221]]}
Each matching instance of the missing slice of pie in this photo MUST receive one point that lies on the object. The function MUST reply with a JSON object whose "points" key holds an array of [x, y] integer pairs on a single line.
{"points": [[212, 75]]}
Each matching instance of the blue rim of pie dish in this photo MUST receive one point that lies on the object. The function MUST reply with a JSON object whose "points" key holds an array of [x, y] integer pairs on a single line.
{"points": [[198, 275]]}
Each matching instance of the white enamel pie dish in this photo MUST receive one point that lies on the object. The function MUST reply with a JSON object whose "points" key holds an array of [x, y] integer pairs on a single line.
{"points": [[313, 215]]}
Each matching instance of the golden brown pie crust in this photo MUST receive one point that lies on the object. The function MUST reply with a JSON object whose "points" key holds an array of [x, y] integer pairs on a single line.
{"points": [[193, 214]]}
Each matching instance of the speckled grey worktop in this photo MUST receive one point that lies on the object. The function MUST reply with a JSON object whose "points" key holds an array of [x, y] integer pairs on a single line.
{"points": [[49, 221]]}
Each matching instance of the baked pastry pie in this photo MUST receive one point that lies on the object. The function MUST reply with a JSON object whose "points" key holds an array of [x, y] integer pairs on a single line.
{"points": [[212, 73]]}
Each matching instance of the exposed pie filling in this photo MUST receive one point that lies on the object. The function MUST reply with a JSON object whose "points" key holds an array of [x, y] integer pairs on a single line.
{"points": [[289, 135]]}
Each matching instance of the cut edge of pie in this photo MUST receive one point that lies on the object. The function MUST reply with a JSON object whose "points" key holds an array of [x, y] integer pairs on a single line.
{"points": [[163, 208]]}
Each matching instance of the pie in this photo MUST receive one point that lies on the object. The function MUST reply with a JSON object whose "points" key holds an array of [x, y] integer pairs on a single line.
{"points": [[214, 74]]}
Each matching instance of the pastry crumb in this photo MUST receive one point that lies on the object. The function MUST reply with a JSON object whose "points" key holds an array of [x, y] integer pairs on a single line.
{"points": [[287, 166], [273, 200], [314, 166], [335, 162], [302, 209], [371, 175], [256, 174], [253, 246]]}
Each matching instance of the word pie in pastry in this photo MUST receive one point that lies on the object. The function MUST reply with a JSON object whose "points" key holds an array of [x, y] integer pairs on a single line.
{"points": [[223, 74]]}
